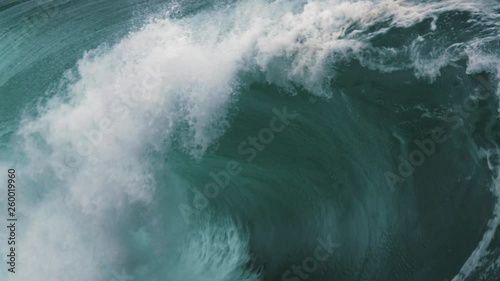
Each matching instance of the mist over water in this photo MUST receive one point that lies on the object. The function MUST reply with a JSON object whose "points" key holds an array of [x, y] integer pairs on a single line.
{"points": [[252, 140]]}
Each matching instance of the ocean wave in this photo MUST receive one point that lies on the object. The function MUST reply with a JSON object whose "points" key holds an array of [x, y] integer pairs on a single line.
{"points": [[134, 133]]}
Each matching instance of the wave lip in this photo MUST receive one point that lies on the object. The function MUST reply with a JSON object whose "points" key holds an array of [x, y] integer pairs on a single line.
{"points": [[108, 142]]}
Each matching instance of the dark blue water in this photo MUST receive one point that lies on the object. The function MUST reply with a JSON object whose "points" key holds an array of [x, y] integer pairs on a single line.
{"points": [[252, 140]]}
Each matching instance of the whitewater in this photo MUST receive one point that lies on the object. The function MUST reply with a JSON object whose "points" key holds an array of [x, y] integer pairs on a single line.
{"points": [[251, 140]]}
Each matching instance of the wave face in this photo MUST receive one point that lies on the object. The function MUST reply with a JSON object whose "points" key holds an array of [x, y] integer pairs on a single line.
{"points": [[252, 140]]}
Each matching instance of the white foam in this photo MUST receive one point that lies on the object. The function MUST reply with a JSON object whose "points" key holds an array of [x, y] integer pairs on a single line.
{"points": [[218, 252], [172, 78]]}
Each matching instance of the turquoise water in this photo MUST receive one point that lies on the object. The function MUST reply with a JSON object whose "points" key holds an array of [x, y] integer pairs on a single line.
{"points": [[252, 140]]}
